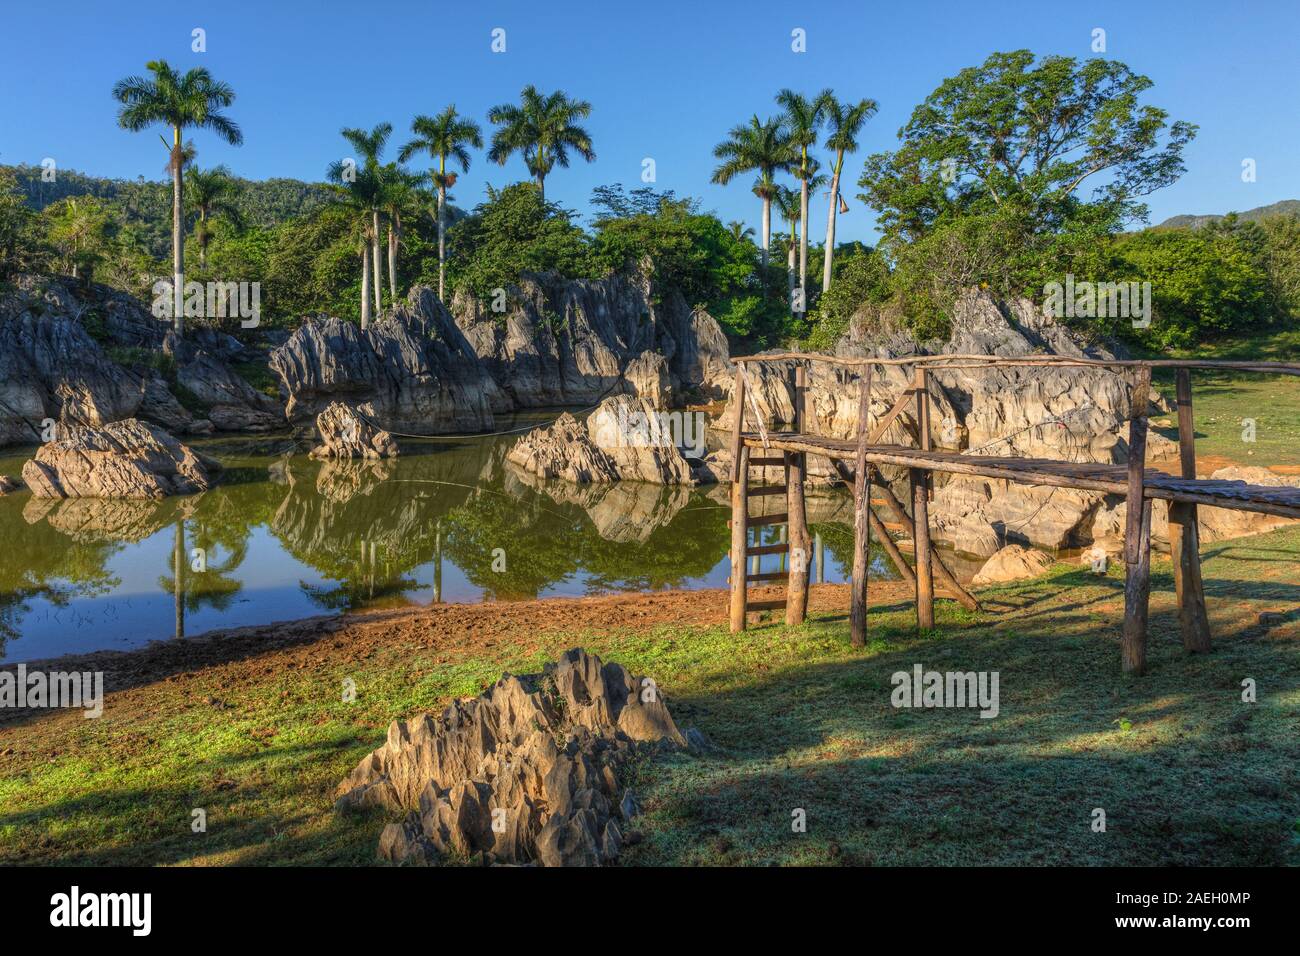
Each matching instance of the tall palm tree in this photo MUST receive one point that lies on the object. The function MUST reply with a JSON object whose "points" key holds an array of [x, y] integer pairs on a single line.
{"points": [[803, 120], [369, 147], [542, 129], [181, 102], [209, 193], [758, 146], [400, 198], [786, 201], [360, 192], [444, 136], [843, 123]]}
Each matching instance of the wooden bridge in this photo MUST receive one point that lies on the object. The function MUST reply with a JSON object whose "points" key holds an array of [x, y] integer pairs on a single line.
{"points": [[858, 461]]}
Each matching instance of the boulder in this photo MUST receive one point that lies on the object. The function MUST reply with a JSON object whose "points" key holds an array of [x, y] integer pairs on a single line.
{"points": [[1012, 563], [126, 459], [345, 434], [9, 485], [531, 771], [624, 439], [412, 371]]}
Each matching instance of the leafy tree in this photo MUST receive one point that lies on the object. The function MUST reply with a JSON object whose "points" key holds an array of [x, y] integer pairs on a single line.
{"points": [[1282, 260], [759, 147], [843, 123], [195, 100], [543, 129], [515, 231], [78, 228], [401, 200], [861, 277], [445, 136], [369, 145], [360, 192]]}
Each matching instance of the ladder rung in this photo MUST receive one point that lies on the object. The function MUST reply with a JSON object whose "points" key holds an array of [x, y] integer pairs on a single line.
{"points": [[767, 462], [768, 549], [760, 520], [765, 605], [768, 576], [766, 490]]}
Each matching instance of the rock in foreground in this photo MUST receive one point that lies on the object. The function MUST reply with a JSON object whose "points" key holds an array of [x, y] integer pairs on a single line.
{"points": [[345, 434], [126, 459], [529, 772], [1012, 563]]}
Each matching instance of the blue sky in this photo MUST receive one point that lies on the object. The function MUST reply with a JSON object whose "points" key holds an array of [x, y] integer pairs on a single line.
{"points": [[666, 79]]}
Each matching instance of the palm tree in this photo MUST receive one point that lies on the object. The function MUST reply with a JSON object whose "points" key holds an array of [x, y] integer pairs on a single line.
{"points": [[370, 146], [786, 201], [739, 231], [803, 119], [542, 129], [208, 193], [444, 136], [843, 123], [400, 198], [181, 102], [758, 146], [360, 191]]}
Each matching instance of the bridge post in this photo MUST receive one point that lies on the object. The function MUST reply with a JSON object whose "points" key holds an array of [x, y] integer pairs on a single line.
{"points": [[1185, 533], [861, 518], [920, 481], [1137, 532], [739, 507], [799, 541]]}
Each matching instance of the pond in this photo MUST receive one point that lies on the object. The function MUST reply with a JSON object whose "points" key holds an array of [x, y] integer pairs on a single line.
{"points": [[284, 537]]}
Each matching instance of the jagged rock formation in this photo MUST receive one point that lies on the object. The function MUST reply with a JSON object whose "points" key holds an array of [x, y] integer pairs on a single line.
{"points": [[623, 439], [565, 342], [530, 771], [344, 434], [1012, 563], [52, 367], [412, 371], [126, 459]]}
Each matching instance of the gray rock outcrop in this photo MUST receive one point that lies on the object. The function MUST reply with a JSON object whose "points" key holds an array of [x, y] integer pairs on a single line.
{"points": [[532, 771], [624, 439], [345, 434], [1012, 563], [124, 459], [412, 371]]}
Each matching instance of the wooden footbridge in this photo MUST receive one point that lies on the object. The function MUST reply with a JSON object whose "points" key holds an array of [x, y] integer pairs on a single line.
{"points": [[858, 461]]}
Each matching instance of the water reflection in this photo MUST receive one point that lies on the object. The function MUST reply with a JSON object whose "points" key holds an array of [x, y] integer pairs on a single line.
{"points": [[285, 536]]}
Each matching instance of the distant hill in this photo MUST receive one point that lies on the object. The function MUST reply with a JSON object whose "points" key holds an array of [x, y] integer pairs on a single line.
{"points": [[146, 204], [1287, 207]]}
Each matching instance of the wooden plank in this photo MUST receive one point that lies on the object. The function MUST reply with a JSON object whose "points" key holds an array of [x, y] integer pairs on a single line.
{"points": [[861, 521], [766, 605], [768, 549], [887, 543], [767, 462], [768, 576], [1185, 532], [760, 521], [799, 538], [882, 426], [1137, 533], [766, 490]]}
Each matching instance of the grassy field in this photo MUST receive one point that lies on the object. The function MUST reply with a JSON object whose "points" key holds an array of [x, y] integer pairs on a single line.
{"points": [[1186, 772], [1222, 401]]}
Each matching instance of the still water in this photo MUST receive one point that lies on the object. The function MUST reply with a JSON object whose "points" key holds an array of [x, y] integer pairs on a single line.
{"points": [[285, 537]]}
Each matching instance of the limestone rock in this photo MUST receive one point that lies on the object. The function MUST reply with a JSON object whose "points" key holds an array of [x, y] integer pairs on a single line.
{"points": [[345, 434], [529, 772], [8, 484], [623, 439], [1012, 563], [126, 459]]}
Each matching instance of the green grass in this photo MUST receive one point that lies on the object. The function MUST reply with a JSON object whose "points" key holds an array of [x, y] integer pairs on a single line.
{"points": [[1222, 401], [803, 719]]}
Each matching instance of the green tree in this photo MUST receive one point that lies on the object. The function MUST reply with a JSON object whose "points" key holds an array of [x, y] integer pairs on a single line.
{"points": [[843, 124], [78, 227], [360, 192], [16, 226], [369, 146], [210, 193], [543, 129], [758, 147], [192, 100], [401, 200], [445, 136]]}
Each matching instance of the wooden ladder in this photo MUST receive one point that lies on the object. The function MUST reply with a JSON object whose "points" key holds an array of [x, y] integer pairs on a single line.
{"points": [[741, 576]]}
